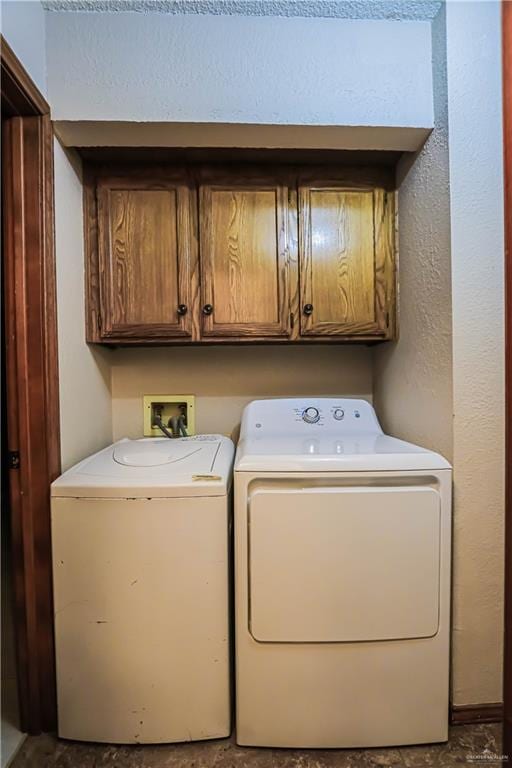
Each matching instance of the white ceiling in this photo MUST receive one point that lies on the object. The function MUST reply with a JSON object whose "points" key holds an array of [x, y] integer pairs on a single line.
{"points": [[399, 10]]}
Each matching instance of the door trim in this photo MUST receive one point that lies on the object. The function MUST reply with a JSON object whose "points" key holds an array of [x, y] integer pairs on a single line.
{"points": [[506, 9], [32, 382], [20, 95]]}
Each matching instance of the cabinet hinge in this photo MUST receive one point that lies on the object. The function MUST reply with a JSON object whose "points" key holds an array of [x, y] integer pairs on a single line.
{"points": [[13, 460]]}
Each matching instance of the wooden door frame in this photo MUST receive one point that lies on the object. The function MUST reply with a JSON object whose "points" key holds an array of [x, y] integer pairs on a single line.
{"points": [[33, 423], [507, 142]]}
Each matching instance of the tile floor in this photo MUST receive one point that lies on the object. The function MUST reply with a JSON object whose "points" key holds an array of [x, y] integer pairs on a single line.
{"points": [[10, 735], [465, 741]]}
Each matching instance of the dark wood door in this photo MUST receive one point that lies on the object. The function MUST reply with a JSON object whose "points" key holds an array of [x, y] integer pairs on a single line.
{"points": [[146, 258], [244, 255], [346, 257], [33, 458]]}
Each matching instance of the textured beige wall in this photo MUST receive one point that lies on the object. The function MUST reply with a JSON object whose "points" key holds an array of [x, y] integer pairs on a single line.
{"points": [[85, 398], [413, 377], [23, 24], [476, 191], [271, 70], [441, 384], [225, 379]]}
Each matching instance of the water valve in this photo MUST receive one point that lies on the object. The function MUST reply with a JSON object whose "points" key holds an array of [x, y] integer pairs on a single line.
{"points": [[168, 408]]}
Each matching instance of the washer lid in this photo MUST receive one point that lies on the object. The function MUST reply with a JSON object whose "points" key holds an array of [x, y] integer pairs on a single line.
{"points": [[137, 453], [152, 467]]}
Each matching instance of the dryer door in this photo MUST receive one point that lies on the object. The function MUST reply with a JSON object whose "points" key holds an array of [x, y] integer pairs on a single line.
{"points": [[343, 564]]}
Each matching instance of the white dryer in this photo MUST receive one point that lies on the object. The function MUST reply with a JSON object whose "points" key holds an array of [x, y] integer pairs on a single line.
{"points": [[140, 570], [342, 579]]}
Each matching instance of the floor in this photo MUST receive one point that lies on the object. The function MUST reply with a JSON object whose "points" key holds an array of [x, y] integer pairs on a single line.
{"points": [[469, 745], [11, 736]]}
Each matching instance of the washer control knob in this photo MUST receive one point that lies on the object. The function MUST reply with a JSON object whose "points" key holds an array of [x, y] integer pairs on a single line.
{"points": [[338, 414], [310, 415]]}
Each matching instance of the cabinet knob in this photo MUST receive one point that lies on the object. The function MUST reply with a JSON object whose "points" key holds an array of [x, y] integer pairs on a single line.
{"points": [[207, 309], [308, 309], [182, 309]]}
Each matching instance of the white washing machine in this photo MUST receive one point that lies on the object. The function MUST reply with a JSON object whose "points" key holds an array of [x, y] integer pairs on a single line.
{"points": [[140, 569], [342, 579]]}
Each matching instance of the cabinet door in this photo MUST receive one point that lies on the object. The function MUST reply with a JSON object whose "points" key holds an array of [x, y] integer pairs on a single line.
{"points": [[244, 258], [146, 259], [346, 257]]}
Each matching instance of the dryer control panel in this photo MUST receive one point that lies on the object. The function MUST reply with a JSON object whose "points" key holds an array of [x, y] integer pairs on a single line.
{"points": [[306, 415]]}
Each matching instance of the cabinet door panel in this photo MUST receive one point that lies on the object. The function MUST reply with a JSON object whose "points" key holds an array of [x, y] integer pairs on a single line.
{"points": [[145, 244], [244, 271], [346, 261]]}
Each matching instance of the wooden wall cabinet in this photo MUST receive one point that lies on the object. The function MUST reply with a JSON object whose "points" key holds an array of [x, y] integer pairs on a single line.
{"points": [[347, 260], [146, 259], [244, 258], [234, 256]]}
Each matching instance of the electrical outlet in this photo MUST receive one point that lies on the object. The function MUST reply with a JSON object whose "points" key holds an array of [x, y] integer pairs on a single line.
{"points": [[168, 407]]}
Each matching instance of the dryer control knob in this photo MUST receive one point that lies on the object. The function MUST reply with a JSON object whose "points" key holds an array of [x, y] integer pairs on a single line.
{"points": [[310, 415], [338, 414]]}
